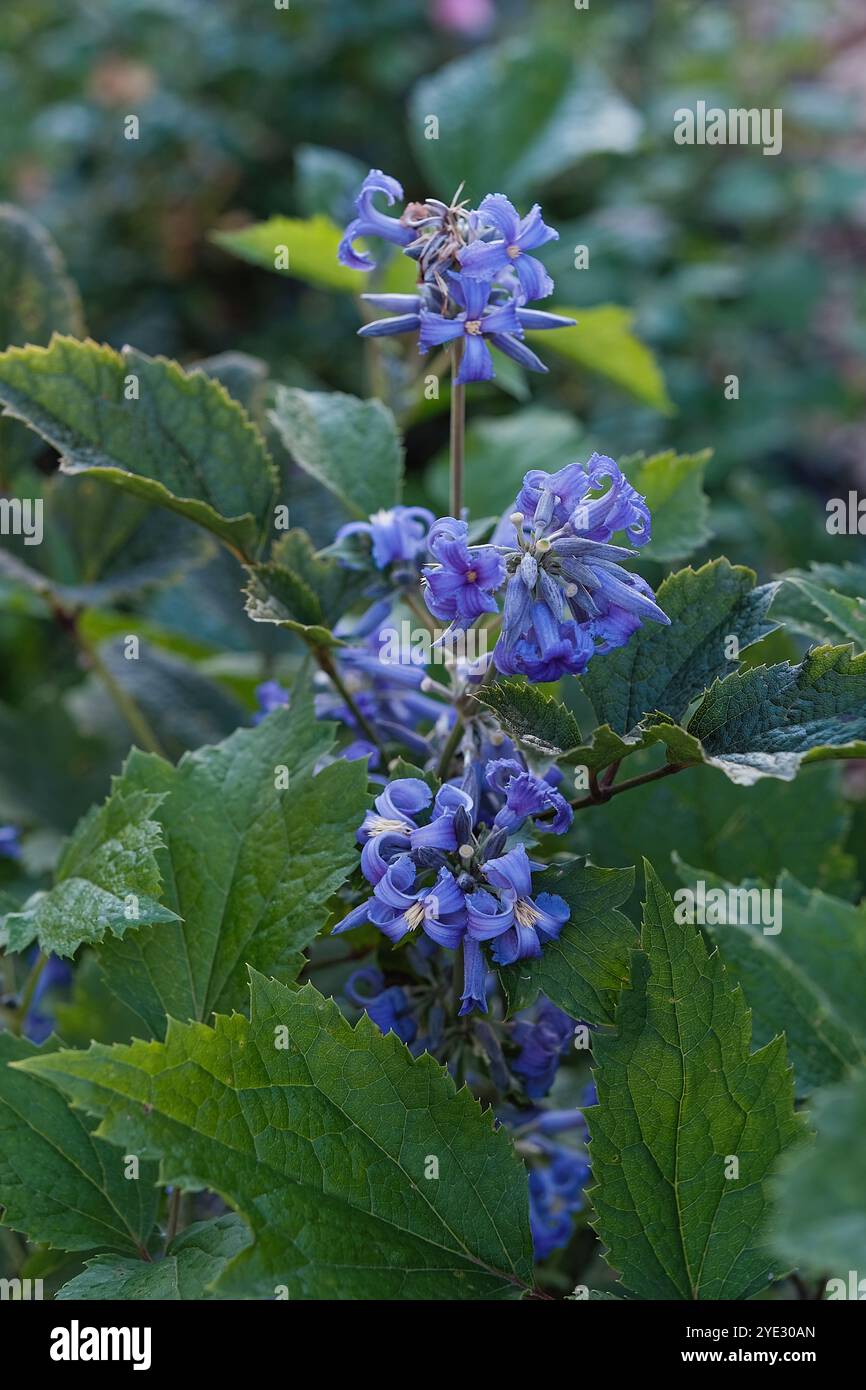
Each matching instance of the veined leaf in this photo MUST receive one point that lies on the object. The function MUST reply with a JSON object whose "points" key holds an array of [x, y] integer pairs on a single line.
{"points": [[299, 590], [665, 668], [680, 1098], [321, 1135], [673, 485], [248, 864], [148, 427], [58, 1183], [107, 879], [602, 341], [531, 716], [192, 1263], [350, 446], [827, 603]]}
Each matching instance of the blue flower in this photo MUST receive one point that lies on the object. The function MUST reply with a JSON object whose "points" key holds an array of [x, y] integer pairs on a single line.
{"points": [[399, 906], [517, 923], [397, 536], [371, 222], [475, 973], [543, 1035], [10, 844], [526, 795], [486, 260], [391, 830], [475, 320], [56, 978], [460, 587], [555, 1196], [389, 1008]]}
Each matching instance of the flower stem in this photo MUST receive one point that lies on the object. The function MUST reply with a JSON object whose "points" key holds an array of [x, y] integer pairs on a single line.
{"points": [[18, 1019], [605, 793], [450, 749], [458, 431], [327, 665]]}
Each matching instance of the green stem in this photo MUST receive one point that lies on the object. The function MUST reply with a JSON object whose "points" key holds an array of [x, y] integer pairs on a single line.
{"points": [[458, 431], [327, 665], [173, 1217], [17, 1021], [123, 700], [450, 748], [605, 793]]}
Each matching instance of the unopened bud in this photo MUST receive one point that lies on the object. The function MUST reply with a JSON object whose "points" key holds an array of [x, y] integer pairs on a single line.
{"points": [[516, 518], [465, 851]]}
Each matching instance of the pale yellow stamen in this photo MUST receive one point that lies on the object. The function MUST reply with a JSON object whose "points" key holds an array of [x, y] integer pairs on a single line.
{"points": [[414, 916], [513, 252], [471, 576], [473, 326], [526, 913], [383, 825]]}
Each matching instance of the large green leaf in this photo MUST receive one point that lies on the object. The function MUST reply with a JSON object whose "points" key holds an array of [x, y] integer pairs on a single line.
{"points": [[248, 866], [183, 442], [107, 879], [193, 1261], [679, 1097], [820, 1191], [312, 251], [299, 590], [322, 1136], [513, 117], [664, 668], [602, 341], [766, 721], [58, 1183], [807, 980], [350, 446], [531, 716], [827, 603], [586, 967], [672, 484]]}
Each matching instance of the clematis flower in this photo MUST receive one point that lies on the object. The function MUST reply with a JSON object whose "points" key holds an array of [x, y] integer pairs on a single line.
{"points": [[544, 1034], [526, 795], [391, 829], [487, 260], [517, 923], [389, 1008], [371, 222], [556, 1195], [476, 320], [397, 535], [461, 586], [399, 907]]}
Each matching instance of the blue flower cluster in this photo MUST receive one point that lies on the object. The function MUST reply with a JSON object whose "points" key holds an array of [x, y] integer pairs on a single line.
{"points": [[567, 595], [476, 274], [439, 866]]}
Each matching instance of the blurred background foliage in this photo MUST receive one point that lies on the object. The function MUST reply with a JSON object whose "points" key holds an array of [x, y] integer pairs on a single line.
{"points": [[722, 260]]}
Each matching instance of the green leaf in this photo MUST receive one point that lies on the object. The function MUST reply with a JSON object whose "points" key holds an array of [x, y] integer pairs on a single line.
{"points": [[184, 443], [193, 1262], [533, 717], [766, 721], [586, 967], [513, 117], [602, 341], [248, 866], [107, 879], [808, 980], [37, 298], [58, 1183], [312, 251], [826, 604], [672, 484], [350, 446], [679, 1096], [664, 668], [320, 1134], [299, 590], [820, 1191]]}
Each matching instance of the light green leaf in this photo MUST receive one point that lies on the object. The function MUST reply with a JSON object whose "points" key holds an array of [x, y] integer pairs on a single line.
{"points": [[311, 244], [827, 603], [107, 879], [513, 117], [192, 1263], [679, 1097], [820, 1191], [586, 967], [531, 716], [183, 442], [58, 1183], [664, 668], [319, 1134], [766, 721], [602, 340], [672, 484], [350, 446], [807, 980], [299, 590], [248, 866]]}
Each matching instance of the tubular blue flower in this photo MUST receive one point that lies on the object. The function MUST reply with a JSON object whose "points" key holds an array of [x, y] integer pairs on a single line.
{"points": [[460, 587], [397, 535], [391, 830], [398, 906], [55, 980], [371, 222], [556, 1194], [475, 972], [476, 320], [543, 1035], [486, 260], [526, 795], [10, 845], [389, 1008], [517, 923]]}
